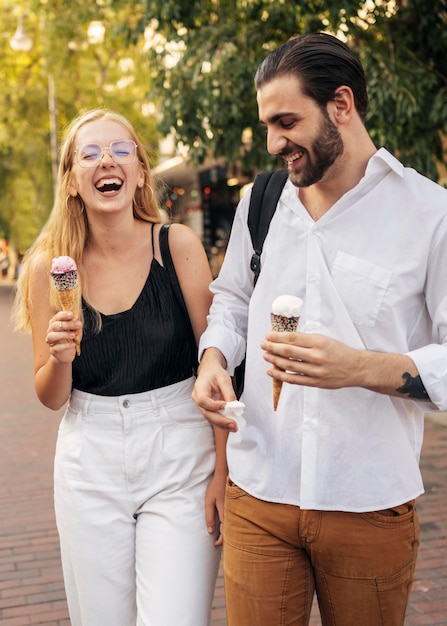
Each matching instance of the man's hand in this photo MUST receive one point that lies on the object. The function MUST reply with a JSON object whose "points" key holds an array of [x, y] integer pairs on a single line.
{"points": [[311, 360], [213, 389], [314, 360]]}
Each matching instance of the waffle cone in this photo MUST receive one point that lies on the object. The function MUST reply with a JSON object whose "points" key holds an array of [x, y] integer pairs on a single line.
{"points": [[277, 385], [69, 301], [281, 323]]}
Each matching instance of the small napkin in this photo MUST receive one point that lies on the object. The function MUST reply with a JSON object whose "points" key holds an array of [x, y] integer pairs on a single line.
{"points": [[235, 410]]}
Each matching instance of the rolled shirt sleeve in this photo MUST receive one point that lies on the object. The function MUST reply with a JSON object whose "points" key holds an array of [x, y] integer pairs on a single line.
{"points": [[232, 289], [431, 362]]}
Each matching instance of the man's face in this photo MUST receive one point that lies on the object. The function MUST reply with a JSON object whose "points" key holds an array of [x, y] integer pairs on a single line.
{"points": [[299, 130]]}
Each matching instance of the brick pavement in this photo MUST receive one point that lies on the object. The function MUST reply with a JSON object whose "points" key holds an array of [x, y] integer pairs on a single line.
{"points": [[31, 589]]}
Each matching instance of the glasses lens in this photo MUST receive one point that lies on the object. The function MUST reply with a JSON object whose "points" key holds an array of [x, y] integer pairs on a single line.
{"points": [[89, 154], [123, 151]]}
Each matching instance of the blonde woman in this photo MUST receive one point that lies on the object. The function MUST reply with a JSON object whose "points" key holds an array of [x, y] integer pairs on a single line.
{"points": [[139, 474]]}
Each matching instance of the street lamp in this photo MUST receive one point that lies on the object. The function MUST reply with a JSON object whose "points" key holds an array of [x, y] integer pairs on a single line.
{"points": [[20, 42]]}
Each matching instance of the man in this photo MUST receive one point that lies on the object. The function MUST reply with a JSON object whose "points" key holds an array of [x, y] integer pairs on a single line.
{"points": [[321, 492]]}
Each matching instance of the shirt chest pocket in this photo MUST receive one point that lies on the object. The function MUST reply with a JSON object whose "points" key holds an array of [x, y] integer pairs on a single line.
{"points": [[362, 286]]}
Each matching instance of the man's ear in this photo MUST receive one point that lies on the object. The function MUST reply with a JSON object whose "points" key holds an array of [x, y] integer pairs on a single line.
{"points": [[342, 104]]}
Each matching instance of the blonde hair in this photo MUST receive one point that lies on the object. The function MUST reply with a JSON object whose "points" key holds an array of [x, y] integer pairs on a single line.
{"points": [[66, 232]]}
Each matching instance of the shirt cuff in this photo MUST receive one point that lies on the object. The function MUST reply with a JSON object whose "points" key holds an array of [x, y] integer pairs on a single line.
{"points": [[431, 362], [229, 343]]}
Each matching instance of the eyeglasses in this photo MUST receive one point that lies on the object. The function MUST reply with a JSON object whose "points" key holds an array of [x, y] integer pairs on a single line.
{"points": [[91, 154]]}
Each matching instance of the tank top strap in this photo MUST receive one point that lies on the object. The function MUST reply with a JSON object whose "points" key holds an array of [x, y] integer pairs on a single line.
{"points": [[152, 238], [165, 253], [168, 264]]}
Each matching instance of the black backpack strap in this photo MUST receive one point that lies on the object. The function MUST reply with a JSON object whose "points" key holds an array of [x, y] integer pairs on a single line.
{"points": [[265, 195]]}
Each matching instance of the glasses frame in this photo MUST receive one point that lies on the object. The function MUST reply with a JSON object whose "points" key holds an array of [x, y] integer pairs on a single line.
{"points": [[94, 162]]}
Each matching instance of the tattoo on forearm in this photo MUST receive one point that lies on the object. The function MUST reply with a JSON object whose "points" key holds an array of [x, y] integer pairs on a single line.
{"points": [[413, 387]]}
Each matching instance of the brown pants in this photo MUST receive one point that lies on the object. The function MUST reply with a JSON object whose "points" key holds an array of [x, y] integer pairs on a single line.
{"points": [[275, 556]]}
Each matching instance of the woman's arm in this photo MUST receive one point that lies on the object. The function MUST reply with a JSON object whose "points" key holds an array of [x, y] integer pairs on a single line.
{"points": [[53, 341], [215, 496], [194, 275]]}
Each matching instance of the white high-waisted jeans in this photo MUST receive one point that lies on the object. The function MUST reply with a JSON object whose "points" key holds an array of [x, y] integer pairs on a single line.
{"points": [[131, 474]]}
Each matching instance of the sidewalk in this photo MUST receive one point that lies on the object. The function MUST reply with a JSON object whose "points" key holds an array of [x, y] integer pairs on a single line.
{"points": [[31, 588]]}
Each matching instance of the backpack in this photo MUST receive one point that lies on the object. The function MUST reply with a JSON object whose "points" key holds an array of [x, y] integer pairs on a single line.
{"points": [[265, 194]]}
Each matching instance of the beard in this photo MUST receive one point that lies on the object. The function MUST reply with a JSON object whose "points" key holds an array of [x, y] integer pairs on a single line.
{"points": [[325, 150]]}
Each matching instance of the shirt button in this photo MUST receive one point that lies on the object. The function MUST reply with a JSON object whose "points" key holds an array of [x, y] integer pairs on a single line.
{"points": [[126, 404]]}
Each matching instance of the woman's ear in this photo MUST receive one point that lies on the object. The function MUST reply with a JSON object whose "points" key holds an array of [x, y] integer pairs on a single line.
{"points": [[72, 189], [141, 179]]}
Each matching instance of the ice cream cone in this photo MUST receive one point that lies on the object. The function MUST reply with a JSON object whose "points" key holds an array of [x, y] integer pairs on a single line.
{"points": [[284, 317], [69, 302], [277, 386], [65, 279]]}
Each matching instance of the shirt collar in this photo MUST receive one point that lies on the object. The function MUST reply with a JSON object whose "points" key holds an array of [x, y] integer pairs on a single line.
{"points": [[384, 161]]}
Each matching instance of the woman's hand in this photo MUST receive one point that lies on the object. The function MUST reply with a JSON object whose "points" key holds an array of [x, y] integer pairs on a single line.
{"points": [[214, 506], [61, 335], [54, 353]]}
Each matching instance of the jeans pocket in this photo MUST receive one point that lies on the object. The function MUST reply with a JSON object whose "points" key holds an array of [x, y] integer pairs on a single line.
{"points": [[70, 421], [233, 491], [398, 511], [391, 517], [183, 414], [69, 437]]}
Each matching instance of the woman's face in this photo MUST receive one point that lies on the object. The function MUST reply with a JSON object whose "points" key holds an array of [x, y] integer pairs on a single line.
{"points": [[106, 170]]}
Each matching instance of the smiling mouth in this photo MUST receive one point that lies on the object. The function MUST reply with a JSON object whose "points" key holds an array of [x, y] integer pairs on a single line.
{"points": [[109, 184], [292, 158]]}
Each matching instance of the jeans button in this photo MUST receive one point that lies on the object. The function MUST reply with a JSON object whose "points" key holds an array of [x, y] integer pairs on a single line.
{"points": [[126, 404]]}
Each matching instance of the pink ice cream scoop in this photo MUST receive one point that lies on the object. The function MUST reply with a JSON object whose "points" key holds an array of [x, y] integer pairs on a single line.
{"points": [[64, 273]]}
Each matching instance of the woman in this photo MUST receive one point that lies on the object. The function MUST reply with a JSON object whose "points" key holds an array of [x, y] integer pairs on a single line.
{"points": [[139, 475]]}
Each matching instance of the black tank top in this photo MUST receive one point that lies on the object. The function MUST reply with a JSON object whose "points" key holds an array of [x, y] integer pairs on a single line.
{"points": [[149, 346]]}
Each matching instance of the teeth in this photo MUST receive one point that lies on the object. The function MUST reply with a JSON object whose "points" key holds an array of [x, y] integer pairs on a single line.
{"points": [[293, 157], [109, 184], [108, 181]]}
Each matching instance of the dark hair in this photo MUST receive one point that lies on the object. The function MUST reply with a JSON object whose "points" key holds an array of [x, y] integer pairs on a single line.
{"points": [[322, 63]]}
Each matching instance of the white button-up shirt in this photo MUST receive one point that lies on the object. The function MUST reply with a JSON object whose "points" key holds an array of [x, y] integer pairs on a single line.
{"points": [[373, 274]]}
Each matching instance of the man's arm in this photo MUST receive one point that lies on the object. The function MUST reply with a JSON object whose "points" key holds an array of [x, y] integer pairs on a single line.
{"points": [[413, 387], [391, 374], [315, 360]]}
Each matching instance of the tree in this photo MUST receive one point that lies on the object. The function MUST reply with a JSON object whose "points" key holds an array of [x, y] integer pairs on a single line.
{"points": [[406, 63], [205, 53], [88, 70]]}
